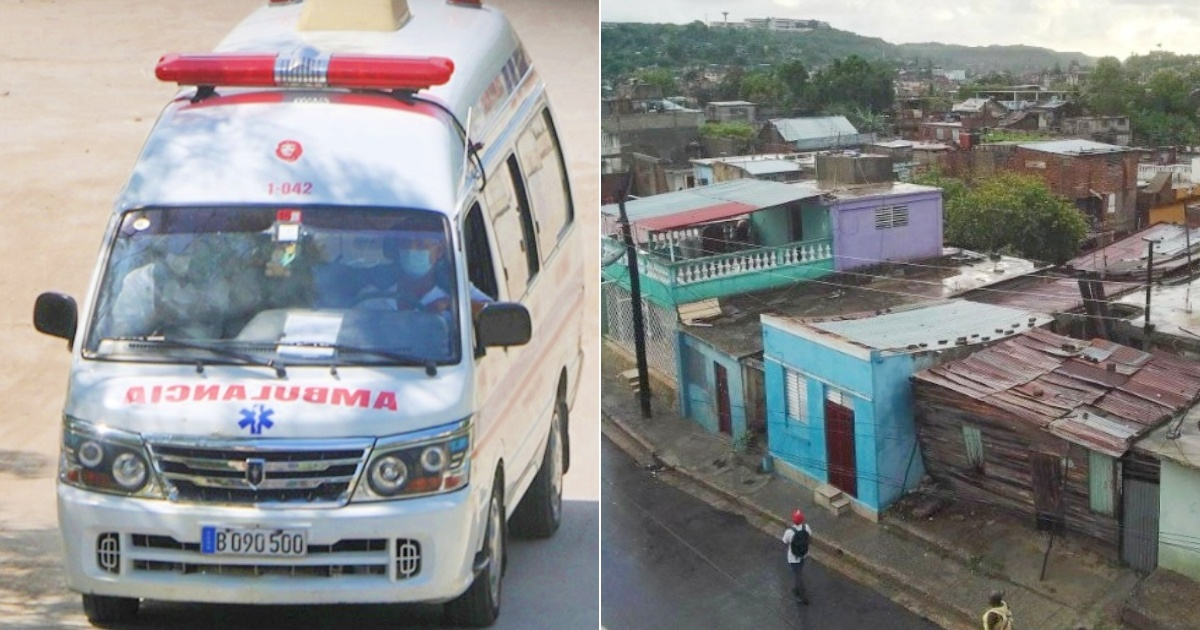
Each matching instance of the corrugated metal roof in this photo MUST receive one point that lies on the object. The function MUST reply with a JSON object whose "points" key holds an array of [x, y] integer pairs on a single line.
{"points": [[1128, 255], [796, 129], [754, 193], [930, 325], [1074, 147], [1050, 381]]}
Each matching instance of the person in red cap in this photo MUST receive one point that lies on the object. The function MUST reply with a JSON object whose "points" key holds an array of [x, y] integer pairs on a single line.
{"points": [[797, 538]]}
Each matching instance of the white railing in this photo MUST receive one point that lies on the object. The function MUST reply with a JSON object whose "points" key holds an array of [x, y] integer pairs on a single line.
{"points": [[749, 261], [1181, 174]]}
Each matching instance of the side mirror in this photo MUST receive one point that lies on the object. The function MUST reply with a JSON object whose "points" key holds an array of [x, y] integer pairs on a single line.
{"points": [[57, 315], [503, 324]]}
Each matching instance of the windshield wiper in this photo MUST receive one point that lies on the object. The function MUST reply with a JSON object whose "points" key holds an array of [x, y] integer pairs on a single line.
{"points": [[280, 370], [429, 364]]}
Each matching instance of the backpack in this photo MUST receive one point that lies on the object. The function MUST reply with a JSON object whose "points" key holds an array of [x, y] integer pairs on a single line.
{"points": [[799, 543]]}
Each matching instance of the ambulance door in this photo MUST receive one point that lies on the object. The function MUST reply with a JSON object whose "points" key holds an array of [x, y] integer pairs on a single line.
{"points": [[516, 390]]}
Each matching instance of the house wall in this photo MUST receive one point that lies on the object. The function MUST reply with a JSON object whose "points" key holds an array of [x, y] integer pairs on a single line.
{"points": [[857, 242], [775, 226], [872, 391], [704, 174], [1179, 520], [1006, 479], [1082, 177], [698, 385]]}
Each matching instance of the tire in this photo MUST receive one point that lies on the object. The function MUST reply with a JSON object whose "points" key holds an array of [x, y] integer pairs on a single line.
{"points": [[102, 610], [479, 606], [539, 513]]}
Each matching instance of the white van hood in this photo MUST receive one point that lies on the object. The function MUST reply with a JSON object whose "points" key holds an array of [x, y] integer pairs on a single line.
{"points": [[245, 402]]}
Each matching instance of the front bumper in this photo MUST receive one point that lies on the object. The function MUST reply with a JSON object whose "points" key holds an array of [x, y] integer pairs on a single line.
{"points": [[359, 553]]}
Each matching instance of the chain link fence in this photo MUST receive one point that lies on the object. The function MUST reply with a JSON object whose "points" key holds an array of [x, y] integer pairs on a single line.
{"points": [[661, 327]]}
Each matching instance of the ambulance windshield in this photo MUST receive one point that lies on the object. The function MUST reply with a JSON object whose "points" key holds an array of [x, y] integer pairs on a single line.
{"points": [[303, 285]]}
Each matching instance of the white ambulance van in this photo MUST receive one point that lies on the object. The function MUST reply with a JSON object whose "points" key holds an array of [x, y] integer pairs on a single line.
{"points": [[333, 336]]}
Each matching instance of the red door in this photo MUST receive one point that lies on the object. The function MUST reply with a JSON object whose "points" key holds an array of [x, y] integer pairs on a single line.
{"points": [[839, 447], [724, 421]]}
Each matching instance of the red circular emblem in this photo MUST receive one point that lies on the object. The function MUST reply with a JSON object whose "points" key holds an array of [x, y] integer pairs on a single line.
{"points": [[289, 151]]}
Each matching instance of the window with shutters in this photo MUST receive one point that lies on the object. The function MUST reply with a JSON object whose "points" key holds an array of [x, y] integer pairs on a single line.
{"points": [[797, 396], [891, 217]]}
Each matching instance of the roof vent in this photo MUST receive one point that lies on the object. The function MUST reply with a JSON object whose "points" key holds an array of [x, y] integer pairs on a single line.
{"points": [[1112, 367], [354, 15]]}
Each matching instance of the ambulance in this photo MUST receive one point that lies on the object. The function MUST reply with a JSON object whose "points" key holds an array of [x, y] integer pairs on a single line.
{"points": [[332, 341]]}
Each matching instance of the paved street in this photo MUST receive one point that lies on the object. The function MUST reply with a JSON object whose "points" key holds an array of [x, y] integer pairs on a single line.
{"points": [[672, 561], [77, 98]]}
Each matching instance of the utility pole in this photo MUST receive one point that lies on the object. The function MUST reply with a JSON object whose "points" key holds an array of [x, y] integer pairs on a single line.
{"points": [[1150, 243], [635, 288]]}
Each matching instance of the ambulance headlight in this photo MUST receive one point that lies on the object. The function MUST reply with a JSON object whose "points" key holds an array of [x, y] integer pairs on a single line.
{"points": [[98, 458], [418, 464]]}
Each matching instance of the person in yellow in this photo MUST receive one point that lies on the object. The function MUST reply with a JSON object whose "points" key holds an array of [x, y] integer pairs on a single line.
{"points": [[999, 616]]}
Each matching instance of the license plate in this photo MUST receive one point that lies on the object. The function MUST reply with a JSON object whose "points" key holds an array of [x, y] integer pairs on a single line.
{"points": [[252, 541]]}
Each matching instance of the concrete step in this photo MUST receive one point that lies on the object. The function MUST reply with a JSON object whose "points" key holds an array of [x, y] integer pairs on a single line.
{"points": [[826, 495], [840, 505]]}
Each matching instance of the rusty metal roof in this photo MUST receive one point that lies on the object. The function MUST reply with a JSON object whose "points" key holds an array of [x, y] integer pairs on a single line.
{"points": [[1127, 258], [1096, 393]]}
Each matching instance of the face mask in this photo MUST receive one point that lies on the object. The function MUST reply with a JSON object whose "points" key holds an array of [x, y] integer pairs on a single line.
{"points": [[416, 262]]}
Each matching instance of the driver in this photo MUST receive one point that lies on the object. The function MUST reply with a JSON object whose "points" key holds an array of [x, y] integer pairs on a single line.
{"points": [[422, 277]]}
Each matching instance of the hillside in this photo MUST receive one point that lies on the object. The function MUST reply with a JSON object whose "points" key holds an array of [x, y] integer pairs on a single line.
{"points": [[626, 47]]}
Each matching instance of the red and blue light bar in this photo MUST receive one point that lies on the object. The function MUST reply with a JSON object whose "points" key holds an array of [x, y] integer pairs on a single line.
{"points": [[374, 72]]}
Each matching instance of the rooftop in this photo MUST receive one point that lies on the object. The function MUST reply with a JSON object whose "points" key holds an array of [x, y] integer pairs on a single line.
{"points": [[793, 129], [1099, 394], [1074, 148], [709, 203], [738, 332], [1127, 257], [927, 327]]}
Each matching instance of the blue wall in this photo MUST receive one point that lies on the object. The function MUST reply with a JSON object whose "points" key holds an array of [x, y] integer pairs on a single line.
{"points": [[698, 385], [878, 391]]}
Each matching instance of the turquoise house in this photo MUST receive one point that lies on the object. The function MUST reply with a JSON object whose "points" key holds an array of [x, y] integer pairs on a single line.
{"points": [[839, 406]]}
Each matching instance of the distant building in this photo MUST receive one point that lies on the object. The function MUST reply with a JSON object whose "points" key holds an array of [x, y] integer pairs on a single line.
{"points": [[729, 111], [814, 133], [774, 24]]}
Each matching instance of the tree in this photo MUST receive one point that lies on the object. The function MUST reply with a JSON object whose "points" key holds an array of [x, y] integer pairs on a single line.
{"points": [[794, 77], [660, 77], [1013, 212], [1109, 91], [761, 87], [854, 81]]}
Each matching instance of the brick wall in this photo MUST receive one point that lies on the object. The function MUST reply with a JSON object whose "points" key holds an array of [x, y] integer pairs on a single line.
{"points": [[1081, 178]]}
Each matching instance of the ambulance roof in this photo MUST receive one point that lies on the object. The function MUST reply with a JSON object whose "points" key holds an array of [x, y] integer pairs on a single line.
{"points": [[479, 40], [313, 146]]}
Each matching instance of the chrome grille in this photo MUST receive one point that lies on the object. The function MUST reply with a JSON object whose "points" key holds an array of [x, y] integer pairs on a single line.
{"points": [[286, 473]]}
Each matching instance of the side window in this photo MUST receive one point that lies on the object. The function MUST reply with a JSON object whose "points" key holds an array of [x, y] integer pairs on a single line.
{"points": [[478, 252], [529, 227], [546, 172], [500, 200]]}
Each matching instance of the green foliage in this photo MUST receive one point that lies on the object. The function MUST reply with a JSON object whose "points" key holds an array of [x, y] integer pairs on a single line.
{"points": [[625, 47], [661, 77], [735, 130], [762, 88], [853, 82], [1011, 212]]}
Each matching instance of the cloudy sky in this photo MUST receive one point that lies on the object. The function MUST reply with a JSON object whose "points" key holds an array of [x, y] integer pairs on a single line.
{"points": [[1118, 28]]}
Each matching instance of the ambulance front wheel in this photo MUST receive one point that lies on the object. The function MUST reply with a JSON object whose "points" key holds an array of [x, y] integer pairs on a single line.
{"points": [[480, 605], [102, 610]]}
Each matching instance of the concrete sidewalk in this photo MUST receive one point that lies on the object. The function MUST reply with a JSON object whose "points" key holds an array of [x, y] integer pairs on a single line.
{"points": [[941, 565]]}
